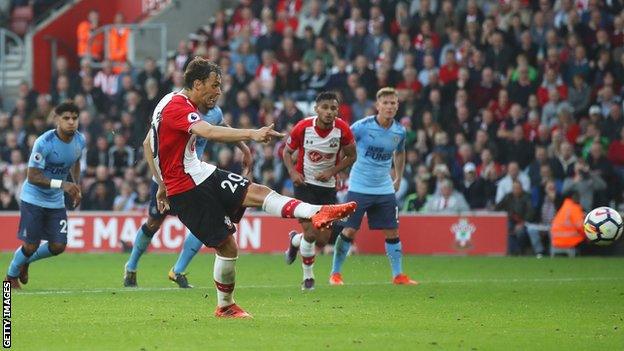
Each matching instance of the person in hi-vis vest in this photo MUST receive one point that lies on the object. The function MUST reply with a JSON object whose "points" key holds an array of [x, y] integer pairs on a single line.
{"points": [[118, 43], [84, 33]]}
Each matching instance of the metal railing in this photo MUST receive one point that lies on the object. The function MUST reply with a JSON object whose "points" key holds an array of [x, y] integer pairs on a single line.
{"points": [[9, 39], [136, 47]]}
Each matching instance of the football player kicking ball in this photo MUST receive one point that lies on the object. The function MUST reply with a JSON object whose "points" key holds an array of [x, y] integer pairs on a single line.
{"points": [[207, 199], [55, 154], [318, 142], [379, 139], [213, 115]]}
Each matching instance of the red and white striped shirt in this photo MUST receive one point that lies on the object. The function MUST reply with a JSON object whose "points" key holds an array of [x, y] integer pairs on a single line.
{"points": [[318, 149], [173, 145]]}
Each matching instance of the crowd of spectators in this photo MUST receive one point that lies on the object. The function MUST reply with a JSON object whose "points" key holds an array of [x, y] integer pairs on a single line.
{"points": [[501, 99]]}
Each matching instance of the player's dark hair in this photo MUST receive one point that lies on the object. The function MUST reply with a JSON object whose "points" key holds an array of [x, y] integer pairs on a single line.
{"points": [[67, 106], [199, 69], [327, 95]]}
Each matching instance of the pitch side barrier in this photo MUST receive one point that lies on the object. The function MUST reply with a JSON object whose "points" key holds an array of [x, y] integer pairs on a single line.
{"points": [[475, 233]]}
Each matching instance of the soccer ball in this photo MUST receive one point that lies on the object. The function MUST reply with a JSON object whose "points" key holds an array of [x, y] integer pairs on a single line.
{"points": [[603, 226]]}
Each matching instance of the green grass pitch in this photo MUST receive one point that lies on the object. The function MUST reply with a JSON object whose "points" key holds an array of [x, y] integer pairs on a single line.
{"points": [[77, 302]]}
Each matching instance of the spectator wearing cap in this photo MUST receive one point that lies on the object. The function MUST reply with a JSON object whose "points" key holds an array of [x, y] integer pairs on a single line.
{"points": [[477, 191], [447, 201]]}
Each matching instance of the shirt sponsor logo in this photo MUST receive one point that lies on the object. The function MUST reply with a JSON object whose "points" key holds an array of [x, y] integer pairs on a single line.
{"points": [[377, 153], [316, 156]]}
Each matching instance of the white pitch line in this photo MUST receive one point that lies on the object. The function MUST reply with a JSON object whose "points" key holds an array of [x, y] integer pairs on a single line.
{"points": [[296, 286]]}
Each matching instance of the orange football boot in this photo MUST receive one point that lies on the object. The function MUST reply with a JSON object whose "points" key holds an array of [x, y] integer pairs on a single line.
{"points": [[330, 213], [335, 279], [403, 279], [231, 311]]}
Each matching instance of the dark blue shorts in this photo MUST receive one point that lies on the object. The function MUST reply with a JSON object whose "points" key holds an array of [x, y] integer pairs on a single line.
{"points": [[39, 223], [153, 207], [382, 211]]}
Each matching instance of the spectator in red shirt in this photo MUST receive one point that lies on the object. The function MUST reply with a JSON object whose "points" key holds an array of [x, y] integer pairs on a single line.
{"points": [[501, 106], [409, 81], [450, 70], [615, 154], [486, 90], [266, 73], [551, 81]]}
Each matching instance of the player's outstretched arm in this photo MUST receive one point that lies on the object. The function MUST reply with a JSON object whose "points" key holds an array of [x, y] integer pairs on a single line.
{"points": [[36, 177], [231, 135]]}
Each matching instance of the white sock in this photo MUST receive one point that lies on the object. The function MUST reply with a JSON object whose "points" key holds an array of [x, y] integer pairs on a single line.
{"points": [[280, 205], [224, 276], [296, 240], [307, 257]]}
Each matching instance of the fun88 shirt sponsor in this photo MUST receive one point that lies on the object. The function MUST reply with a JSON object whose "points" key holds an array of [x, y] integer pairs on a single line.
{"points": [[375, 147], [55, 157]]}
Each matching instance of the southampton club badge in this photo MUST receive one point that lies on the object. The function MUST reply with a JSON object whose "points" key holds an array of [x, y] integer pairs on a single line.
{"points": [[463, 233], [228, 222]]}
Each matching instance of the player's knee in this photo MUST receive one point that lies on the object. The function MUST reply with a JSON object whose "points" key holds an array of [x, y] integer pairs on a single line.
{"points": [[310, 235], [152, 225], [322, 238], [392, 234], [349, 233], [228, 248], [29, 249], [256, 193], [56, 248]]}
